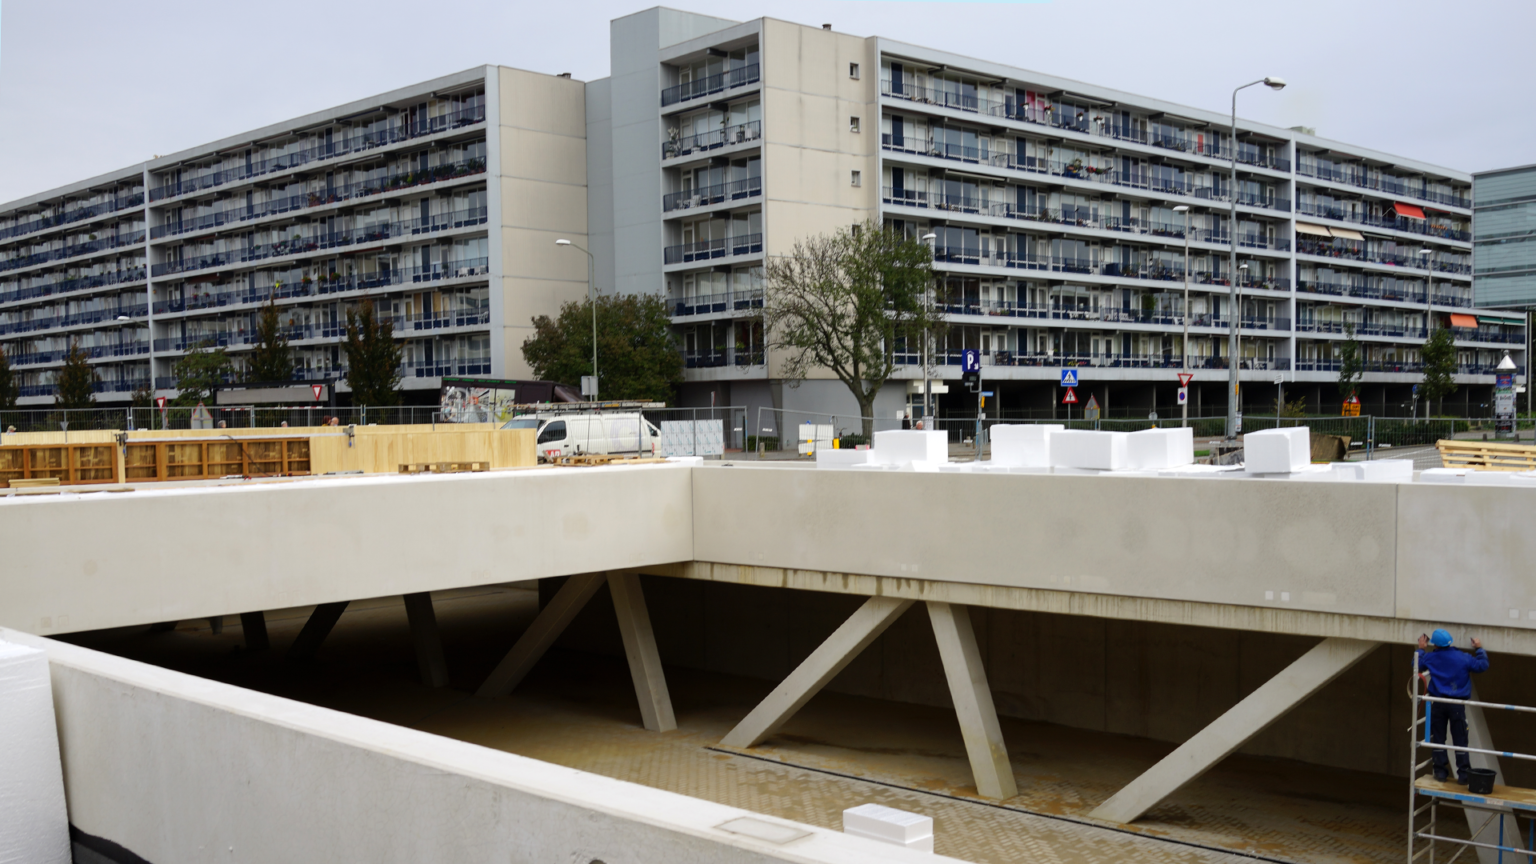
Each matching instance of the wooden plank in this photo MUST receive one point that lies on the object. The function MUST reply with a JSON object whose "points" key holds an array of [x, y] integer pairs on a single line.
{"points": [[1513, 797]]}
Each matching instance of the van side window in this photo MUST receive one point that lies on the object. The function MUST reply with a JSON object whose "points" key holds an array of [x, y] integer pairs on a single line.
{"points": [[555, 431]]}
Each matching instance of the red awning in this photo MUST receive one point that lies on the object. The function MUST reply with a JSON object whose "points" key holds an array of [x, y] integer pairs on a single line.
{"points": [[1463, 320], [1408, 210]]}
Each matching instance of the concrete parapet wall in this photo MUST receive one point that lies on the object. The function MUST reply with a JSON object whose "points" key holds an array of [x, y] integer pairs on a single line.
{"points": [[236, 775]]}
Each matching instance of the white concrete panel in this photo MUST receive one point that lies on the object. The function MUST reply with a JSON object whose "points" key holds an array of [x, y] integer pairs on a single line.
{"points": [[87, 562], [34, 826], [262, 778], [1464, 554], [1277, 451], [1328, 547], [1022, 445]]}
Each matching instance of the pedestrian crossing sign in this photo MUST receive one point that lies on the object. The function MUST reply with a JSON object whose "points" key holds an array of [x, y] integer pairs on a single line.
{"points": [[1069, 377]]}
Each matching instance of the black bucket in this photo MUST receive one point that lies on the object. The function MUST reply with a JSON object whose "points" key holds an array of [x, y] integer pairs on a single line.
{"points": [[1480, 781]]}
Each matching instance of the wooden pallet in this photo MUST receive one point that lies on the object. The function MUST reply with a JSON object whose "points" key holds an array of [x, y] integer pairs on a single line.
{"points": [[444, 467], [1487, 455]]}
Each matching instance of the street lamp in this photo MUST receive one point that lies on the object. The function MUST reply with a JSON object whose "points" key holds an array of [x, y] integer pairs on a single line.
{"points": [[592, 298], [931, 239], [1184, 208], [1273, 84]]}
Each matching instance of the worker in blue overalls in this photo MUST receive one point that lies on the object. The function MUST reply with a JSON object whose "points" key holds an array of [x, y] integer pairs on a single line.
{"points": [[1449, 672]]}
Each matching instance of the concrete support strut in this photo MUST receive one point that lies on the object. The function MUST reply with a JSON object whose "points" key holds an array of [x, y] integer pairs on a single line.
{"points": [[427, 640], [254, 626], [315, 630], [640, 650], [1481, 820], [829, 658], [1326, 661], [541, 634], [973, 700]]}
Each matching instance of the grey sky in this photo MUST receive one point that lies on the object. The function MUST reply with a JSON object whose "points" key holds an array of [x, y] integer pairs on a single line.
{"points": [[88, 86]]}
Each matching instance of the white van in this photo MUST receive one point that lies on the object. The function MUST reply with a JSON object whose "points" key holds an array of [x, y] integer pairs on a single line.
{"points": [[601, 434]]}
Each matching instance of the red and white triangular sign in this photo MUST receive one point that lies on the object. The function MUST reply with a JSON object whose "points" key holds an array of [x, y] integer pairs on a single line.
{"points": [[1070, 398], [1185, 378], [1354, 400], [160, 402], [1093, 403], [317, 388]]}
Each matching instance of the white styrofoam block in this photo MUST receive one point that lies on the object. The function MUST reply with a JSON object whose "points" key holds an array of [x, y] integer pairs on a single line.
{"points": [[34, 825], [877, 822], [829, 458], [1277, 451], [1160, 448], [1084, 448], [1444, 475], [894, 446], [1380, 471], [1023, 444]]}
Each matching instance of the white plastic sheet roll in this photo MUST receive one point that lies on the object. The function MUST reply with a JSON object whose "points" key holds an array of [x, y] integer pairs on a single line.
{"points": [[34, 826]]}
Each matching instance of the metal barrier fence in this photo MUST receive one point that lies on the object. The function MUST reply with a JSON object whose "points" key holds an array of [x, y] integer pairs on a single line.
{"points": [[175, 417]]}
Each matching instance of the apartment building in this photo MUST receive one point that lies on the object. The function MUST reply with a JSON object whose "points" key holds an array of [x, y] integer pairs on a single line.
{"points": [[438, 203], [1051, 207], [1504, 237]]}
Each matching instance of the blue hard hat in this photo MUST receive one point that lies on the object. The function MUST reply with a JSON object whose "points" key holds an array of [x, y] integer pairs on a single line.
{"points": [[1441, 638]]}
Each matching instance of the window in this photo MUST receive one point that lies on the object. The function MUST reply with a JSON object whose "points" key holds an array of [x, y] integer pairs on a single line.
{"points": [[857, 178], [853, 71], [554, 431], [853, 124]]}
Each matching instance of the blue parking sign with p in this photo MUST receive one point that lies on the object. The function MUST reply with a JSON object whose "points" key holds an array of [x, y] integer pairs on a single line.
{"points": [[970, 360], [1069, 377]]}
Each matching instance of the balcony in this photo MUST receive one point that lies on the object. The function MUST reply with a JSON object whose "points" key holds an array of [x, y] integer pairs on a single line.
{"points": [[74, 319], [709, 250], [79, 283], [327, 284], [116, 241], [79, 214], [368, 234], [709, 85], [1396, 223], [707, 304], [705, 141], [342, 146], [440, 368], [1388, 185], [94, 352], [714, 358], [1153, 271], [704, 196], [1353, 250], [1104, 360], [1369, 328], [1400, 366]]}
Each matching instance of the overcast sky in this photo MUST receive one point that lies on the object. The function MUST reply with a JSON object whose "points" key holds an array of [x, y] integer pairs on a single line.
{"points": [[88, 86]]}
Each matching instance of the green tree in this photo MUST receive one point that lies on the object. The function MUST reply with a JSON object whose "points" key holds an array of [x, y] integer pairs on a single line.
{"points": [[1351, 363], [272, 359], [75, 386], [143, 397], [199, 371], [10, 391], [373, 357], [1439, 366], [845, 302], [637, 358]]}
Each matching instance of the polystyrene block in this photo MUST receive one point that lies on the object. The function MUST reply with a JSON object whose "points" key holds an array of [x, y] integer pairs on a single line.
{"points": [[1160, 448], [894, 446], [34, 826], [1023, 444], [1082, 448], [1277, 451], [877, 822], [829, 458], [1443, 475], [1379, 471]]}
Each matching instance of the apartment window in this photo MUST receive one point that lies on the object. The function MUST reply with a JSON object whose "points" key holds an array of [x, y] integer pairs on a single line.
{"points": [[858, 178], [853, 124], [853, 71]]}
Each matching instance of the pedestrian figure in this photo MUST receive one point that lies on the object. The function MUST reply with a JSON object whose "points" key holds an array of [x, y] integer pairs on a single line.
{"points": [[906, 422], [1449, 673]]}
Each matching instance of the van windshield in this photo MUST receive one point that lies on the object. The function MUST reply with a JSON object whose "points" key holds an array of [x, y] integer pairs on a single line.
{"points": [[555, 431], [522, 423]]}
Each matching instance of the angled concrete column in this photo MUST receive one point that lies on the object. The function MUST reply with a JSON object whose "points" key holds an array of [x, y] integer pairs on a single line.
{"points": [[829, 658], [254, 626], [1310, 673], [541, 634], [1478, 737], [640, 650], [315, 630], [973, 700], [429, 644]]}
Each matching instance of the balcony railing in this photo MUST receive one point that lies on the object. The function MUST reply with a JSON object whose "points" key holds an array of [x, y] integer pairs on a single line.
{"points": [[330, 284], [1370, 328], [1354, 250], [1333, 365], [708, 250], [1396, 223], [730, 79], [704, 196], [74, 319], [401, 324], [702, 141], [712, 358], [73, 250], [338, 146], [975, 255], [1210, 144], [79, 214], [368, 234], [1388, 185], [78, 283], [93, 352], [1105, 360], [706, 304]]}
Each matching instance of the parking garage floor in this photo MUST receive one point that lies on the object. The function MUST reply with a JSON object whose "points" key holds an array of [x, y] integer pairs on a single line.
{"points": [[579, 710]]}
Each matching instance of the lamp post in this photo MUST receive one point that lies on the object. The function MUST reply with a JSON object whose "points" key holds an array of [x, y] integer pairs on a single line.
{"points": [[1184, 208], [1273, 84], [592, 298], [931, 239]]}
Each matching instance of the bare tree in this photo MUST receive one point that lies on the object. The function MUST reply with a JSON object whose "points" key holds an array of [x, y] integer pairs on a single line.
{"points": [[849, 303]]}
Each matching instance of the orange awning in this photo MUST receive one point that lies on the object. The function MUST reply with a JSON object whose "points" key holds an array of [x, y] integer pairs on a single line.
{"points": [[1408, 210], [1464, 321]]}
